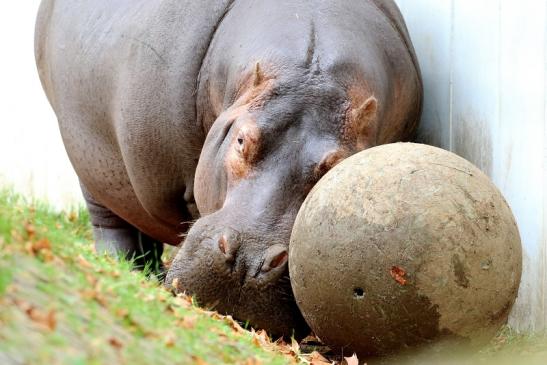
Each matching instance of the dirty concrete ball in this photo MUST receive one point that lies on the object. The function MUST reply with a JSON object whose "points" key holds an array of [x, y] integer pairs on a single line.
{"points": [[404, 245]]}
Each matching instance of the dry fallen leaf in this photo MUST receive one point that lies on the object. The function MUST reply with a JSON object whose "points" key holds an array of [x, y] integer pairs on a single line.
{"points": [[72, 216], [221, 335], [261, 338], [214, 315], [94, 294], [253, 361], [30, 229], [122, 312], [352, 360], [51, 320], [284, 348], [170, 340], [114, 342], [188, 322], [292, 351], [92, 280], [83, 262], [263, 335], [398, 274], [40, 246], [183, 301], [199, 361], [47, 320], [315, 358], [149, 298], [234, 325], [295, 347]]}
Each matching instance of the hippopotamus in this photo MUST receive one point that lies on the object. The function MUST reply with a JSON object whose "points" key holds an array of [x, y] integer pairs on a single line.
{"points": [[208, 122]]}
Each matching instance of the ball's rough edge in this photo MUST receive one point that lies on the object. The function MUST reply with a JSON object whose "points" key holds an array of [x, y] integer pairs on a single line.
{"points": [[467, 168]]}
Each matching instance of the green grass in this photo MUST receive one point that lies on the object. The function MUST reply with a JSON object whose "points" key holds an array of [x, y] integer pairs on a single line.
{"points": [[60, 303]]}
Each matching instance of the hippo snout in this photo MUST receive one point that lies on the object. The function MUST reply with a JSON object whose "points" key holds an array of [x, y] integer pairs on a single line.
{"points": [[229, 249], [239, 274]]}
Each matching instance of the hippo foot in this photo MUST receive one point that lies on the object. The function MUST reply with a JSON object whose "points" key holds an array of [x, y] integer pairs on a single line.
{"points": [[117, 238], [129, 244]]}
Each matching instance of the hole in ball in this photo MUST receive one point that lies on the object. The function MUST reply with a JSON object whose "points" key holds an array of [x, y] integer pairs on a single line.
{"points": [[358, 293]]}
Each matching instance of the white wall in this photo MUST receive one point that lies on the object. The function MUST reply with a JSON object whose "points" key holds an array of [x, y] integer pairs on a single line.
{"points": [[32, 157], [483, 64]]}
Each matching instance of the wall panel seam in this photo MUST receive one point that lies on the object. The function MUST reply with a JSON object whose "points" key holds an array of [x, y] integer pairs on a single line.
{"points": [[543, 248], [451, 80]]}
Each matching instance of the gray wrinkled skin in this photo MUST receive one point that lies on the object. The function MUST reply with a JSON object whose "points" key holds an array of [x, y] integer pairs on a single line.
{"points": [[153, 96]]}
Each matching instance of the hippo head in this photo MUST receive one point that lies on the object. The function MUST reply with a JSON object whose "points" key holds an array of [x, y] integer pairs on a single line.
{"points": [[261, 157]]}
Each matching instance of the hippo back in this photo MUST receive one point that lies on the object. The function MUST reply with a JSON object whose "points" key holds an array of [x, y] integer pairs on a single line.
{"points": [[121, 77]]}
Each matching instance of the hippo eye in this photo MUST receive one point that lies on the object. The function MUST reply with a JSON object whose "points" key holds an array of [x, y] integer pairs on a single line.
{"points": [[240, 146], [245, 144]]}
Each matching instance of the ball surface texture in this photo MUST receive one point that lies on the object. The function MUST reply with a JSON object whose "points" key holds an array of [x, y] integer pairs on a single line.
{"points": [[404, 245]]}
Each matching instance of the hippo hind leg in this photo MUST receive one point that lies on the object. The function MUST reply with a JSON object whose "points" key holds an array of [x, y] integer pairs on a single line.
{"points": [[117, 238]]}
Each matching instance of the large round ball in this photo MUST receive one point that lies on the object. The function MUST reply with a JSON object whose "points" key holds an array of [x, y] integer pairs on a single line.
{"points": [[402, 245]]}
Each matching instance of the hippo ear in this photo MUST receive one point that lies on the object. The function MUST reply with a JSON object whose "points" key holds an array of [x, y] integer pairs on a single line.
{"points": [[258, 77], [363, 124]]}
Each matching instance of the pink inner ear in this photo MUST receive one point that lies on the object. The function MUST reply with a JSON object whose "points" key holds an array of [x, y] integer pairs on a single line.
{"points": [[279, 260], [364, 123], [330, 160]]}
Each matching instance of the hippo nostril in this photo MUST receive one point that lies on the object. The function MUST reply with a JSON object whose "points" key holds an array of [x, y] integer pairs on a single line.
{"points": [[279, 259], [225, 248], [275, 257], [222, 244]]}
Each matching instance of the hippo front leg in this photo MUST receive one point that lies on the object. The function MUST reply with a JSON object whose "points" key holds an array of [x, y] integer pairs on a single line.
{"points": [[120, 239], [129, 243]]}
